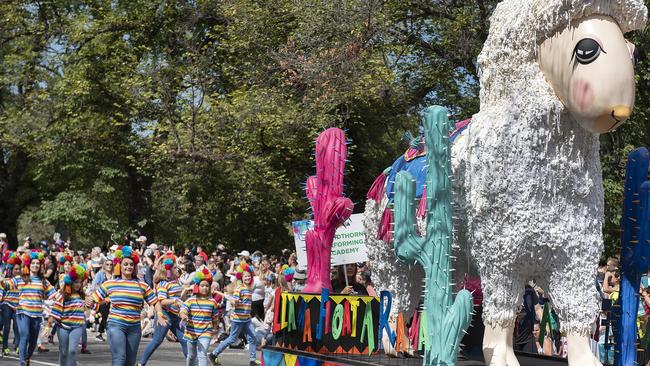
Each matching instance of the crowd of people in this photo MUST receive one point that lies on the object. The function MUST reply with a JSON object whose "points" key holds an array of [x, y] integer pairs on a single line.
{"points": [[197, 298], [553, 342], [204, 300]]}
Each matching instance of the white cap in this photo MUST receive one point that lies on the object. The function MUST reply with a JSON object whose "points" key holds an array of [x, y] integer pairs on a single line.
{"points": [[142, 238], [3, 235], [151, 246], [244, 253]]}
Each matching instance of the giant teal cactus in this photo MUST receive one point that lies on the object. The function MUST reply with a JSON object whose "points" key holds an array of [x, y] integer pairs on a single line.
{"points": [[330, 208], [447, 320]]}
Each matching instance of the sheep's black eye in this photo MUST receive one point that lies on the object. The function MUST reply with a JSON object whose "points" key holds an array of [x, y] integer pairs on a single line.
{"points": [[587, 51]]}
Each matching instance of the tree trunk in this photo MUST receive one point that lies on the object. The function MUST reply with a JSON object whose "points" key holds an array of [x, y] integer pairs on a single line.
{"points": [[13, 167], [140, 202]]}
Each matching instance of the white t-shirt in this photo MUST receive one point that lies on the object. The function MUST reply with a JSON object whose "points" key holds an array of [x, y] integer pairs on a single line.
{"points": [[258, 289], [269, 303]]}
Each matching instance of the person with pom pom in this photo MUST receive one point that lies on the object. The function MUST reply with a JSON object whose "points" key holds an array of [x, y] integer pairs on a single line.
{"points": [[170, 293], [200, 314], [127, 295], [33, 290], [68, 313], [241, 301], [9, 303], [65, 265]]}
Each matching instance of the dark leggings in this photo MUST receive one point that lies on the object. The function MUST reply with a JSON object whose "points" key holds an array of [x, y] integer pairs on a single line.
{"points": [[9, 320], [103, 309]]}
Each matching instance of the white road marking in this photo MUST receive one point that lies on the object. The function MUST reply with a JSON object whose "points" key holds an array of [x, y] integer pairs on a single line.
{"points": [[34, 361]]}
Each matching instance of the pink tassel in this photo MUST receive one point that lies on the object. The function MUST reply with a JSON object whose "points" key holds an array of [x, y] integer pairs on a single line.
{"points": [[378, 188], [415, 329], [422, 206], [383, 233]]}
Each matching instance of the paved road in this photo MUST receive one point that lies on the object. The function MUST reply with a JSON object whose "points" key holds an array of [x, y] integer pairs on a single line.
{"points": [[167, 354]]}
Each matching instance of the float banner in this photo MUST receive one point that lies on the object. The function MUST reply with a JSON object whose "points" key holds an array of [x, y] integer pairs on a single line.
{"points": [[327, 323], [349, 244]]}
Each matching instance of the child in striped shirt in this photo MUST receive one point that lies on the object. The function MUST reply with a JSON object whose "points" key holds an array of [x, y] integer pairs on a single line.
{"points": [[9, 304], [200, 314], [33, 290], [68, 313], [241, 315]]}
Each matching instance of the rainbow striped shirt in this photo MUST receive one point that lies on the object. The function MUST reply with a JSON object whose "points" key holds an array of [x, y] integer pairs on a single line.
{"points": [[168, 291], [69, 312], [9, 297], [243, 301], [200, 312], [127, 299], [31, 295]]}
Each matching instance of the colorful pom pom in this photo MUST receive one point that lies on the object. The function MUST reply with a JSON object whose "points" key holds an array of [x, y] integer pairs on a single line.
{"points": [[65, 258], [288, 273], [243, 267], [202, 275], [125, 251], [168, 263], [12, 258]]}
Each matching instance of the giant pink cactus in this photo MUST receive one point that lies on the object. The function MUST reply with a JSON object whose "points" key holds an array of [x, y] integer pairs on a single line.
{"points": [[331, 209]]}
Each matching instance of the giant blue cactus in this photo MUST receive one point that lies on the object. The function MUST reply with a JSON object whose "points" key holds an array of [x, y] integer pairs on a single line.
{"points": [[446, 319], [635, 254]]}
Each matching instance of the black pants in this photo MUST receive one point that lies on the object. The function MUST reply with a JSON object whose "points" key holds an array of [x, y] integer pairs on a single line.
{"points": [[103, 309]]}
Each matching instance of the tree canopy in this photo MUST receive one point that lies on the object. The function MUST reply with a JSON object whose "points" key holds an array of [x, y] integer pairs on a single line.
{"points": [[194, 121]]}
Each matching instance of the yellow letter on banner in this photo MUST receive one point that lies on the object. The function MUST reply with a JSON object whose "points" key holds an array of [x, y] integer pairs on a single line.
{"points": [[284, 311], [354, 306]]}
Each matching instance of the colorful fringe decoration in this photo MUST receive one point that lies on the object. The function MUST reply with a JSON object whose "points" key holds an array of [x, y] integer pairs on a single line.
{"points": [[377, 191]]}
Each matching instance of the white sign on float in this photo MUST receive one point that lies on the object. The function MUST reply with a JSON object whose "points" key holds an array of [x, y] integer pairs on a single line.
{"points": [[349, 244]]}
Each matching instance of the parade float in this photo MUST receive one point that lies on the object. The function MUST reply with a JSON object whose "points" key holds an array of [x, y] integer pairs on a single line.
{"points": [[527, 193]]}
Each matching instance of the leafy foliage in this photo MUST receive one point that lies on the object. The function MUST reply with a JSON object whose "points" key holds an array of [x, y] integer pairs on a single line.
{"points": [[194, 121]]}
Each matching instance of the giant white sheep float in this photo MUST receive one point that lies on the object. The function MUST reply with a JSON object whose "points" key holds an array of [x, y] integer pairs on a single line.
{"points": [[554, 74]]}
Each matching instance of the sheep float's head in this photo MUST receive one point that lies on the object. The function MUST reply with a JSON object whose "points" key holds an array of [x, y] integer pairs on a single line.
{"points": [[563, 55], [590, 66]]}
